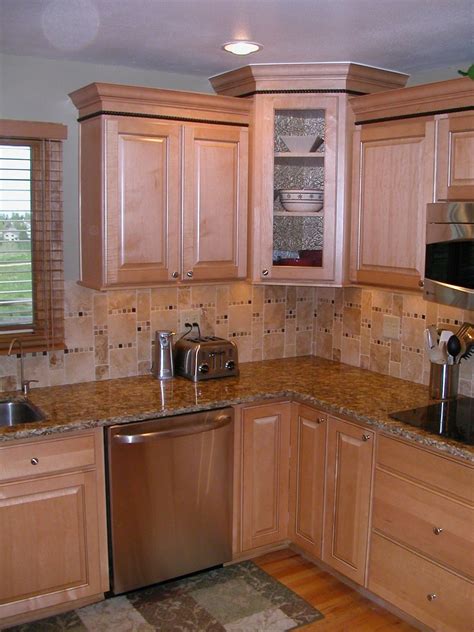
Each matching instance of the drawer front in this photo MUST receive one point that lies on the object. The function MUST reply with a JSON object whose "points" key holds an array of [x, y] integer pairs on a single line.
{"points": [[46, 456], [436, 526], [431, 594], [454, 478]]}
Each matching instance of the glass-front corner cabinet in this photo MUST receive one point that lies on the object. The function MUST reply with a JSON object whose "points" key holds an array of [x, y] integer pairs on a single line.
{"points": [[301, 136], [296, 212]]}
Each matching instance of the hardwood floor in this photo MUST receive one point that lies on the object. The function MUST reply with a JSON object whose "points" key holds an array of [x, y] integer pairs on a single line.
{"points": [[344, 609]]}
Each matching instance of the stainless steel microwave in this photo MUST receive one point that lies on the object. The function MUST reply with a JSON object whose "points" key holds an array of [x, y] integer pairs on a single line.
{"points": [[449, 257]]}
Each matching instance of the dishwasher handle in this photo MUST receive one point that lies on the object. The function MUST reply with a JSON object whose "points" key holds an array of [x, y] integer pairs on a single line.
{"points": [[173, 429]]}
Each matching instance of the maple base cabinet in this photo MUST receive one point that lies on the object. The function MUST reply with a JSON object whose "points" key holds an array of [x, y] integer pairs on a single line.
{"points": [[349, 467], [422, 541], [307, 476], [163, 179], [265, 452], [53, 549]]}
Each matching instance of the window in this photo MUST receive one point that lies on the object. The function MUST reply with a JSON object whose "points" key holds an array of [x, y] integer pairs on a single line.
{"points": [[31, 241]]}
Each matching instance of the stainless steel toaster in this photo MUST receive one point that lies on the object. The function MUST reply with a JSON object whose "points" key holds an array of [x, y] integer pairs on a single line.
{"points": [[206, 357]]}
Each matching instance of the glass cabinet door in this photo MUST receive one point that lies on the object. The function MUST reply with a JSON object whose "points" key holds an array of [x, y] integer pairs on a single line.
{"points": [[298, 181], [299, 232]]}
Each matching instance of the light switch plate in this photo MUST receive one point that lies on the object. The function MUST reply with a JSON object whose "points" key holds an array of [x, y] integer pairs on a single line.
{"points": [[391, 327]]}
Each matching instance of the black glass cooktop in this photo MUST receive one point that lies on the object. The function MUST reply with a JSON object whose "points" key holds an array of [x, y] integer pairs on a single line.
{"points": [[451, 418]]}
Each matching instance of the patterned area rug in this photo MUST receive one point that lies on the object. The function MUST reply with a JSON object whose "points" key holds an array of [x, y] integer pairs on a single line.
{"points": [[238, 598]]}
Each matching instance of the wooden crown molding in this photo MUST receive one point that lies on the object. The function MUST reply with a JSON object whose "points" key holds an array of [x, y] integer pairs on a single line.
{"points": [[99, 97], [32, 129], [346, 76], [428, 98]]}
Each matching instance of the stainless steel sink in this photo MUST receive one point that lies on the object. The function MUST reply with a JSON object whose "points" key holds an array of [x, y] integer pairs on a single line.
{"points": [[14, 412]]}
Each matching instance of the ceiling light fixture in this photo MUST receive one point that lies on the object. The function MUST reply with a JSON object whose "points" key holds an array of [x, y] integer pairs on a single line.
{"points": [[242, 47]]}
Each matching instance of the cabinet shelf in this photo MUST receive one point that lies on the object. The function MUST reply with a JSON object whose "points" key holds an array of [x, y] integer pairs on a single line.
{"points": [[293, 154], [298, 213]]}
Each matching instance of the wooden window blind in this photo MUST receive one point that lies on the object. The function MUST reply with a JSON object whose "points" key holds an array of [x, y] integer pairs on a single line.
{"points": [[42, 328]]}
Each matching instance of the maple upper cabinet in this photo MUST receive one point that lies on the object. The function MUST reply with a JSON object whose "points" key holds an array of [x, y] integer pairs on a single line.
{"points": [[350, 459], [393, 182], [308, 466], [215, 202], [455, 157], [163, 179], [300, 150], [407, 151]]}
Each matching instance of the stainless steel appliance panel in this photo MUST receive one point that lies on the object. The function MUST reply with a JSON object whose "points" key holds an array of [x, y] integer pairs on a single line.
{"points": [[449, 256], [170, 495]]}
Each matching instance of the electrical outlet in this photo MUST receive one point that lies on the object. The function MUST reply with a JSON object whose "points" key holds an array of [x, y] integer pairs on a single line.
{"points": [[391, 327]]}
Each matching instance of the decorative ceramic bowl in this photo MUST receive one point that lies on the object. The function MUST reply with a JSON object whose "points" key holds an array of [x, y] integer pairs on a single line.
{"points": [[302, 144], [302, 200]]}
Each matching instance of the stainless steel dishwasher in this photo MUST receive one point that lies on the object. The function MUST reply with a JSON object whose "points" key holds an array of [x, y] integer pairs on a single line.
{"points": [[170, 497]]}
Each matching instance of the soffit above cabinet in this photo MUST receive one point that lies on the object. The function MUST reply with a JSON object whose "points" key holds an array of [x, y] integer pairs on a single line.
{"points": [[338, 76], [105, 98], [430, 98]]}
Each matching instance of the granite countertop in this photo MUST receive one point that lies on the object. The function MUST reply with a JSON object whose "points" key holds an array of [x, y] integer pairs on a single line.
{"points": [[337, 388]]}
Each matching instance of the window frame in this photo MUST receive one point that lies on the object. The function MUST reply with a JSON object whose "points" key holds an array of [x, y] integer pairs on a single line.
{"points": [[47, 331]]}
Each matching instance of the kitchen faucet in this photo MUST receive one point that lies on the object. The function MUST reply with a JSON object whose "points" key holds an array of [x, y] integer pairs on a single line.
{"points": [[25, 384]]}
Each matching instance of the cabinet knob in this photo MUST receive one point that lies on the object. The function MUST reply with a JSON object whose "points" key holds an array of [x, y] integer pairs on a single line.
{"points": [[189, 274], [34, 461], [421, 283], [437, 530], [365, 437], [432, 596], [265, 272], [320, 420], [175, 275]]}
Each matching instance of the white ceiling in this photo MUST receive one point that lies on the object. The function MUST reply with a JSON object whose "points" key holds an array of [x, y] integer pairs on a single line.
{"points": [[185, 36]]}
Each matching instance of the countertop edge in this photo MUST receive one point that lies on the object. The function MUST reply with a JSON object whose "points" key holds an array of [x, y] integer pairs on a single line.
{"points": [[392, 427]]}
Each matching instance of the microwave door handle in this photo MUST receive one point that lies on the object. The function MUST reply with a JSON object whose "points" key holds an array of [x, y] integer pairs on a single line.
{"points": [[168, 433]]}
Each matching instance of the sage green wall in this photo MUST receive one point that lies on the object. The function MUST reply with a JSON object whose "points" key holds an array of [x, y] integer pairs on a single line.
{"points": [[37, 90]]}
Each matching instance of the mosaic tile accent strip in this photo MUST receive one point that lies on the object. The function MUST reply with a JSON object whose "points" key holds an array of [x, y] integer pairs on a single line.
{"points": [[241, 597]]}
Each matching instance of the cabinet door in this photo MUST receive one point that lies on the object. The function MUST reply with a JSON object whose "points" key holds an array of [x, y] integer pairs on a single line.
{"points": [[392, 183], [49, 549], [142, 201], [215, 202], [265, 474], [308, 455], [348, 498], [297, 241], [455, 158]]}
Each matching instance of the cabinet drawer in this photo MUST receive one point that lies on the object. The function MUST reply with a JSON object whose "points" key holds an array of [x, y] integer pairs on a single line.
{"points": [[46, 456], [454, 478], [431, 594], [413, 515]]}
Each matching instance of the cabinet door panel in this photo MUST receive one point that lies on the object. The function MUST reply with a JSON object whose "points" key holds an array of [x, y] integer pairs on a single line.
{"points": [[348, 498], [142, 201], [50, 548], [265, 473], [308, 441], [455, 158], [215, 204], [394, 171], [297, 246]]}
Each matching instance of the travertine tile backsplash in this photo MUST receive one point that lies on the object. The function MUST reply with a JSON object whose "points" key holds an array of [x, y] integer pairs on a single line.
{"points": [[109, 334]]}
